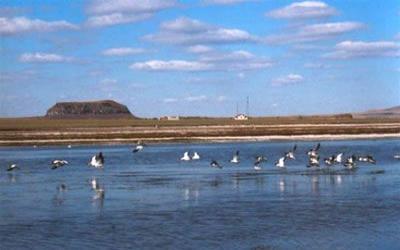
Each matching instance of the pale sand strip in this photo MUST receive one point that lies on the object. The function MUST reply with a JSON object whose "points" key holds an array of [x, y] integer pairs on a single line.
{"points": [[204, 139]]}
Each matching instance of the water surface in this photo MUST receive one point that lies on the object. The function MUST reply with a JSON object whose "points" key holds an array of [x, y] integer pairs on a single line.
{"points": [[153, 200]]}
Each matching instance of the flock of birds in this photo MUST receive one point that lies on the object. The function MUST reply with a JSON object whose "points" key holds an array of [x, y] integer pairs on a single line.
{"points": [[97, 161], [313, 159]]}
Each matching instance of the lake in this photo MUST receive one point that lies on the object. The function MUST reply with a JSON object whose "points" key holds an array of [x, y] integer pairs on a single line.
{"points": [[151, 199]]}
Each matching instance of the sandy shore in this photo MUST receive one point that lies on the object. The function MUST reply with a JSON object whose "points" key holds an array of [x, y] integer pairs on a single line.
{"points": [[123, 135]]}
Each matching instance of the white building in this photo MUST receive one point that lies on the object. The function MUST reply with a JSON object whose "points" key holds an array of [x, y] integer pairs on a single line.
{"points": [[241, 117]]}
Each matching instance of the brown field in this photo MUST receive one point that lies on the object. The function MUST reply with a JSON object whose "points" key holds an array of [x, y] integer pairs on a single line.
{"points": [[28, 131]]}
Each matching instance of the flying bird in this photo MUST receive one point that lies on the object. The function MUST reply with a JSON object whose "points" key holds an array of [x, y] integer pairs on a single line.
{"points": [[97, 161], [235, 158]]}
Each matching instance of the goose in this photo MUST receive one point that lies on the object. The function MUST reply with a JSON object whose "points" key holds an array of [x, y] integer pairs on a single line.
{"points": [[280, 163], [235, 158], [185, 156], [215, 164], [58, 163], [367, 158], [12, 167], [195, 156], [314, 151], [313, 162], [290, 155], [97, 161]]}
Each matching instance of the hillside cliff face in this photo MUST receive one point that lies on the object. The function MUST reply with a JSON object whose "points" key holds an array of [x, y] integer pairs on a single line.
{"points": [[104, 108]]}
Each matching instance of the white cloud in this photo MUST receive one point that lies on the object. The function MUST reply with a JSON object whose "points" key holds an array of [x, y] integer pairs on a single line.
{"points": [[19, 25], [288, 79], [239, 60], [303, 10], [190, 31], [198, 49], [353, 49], [221, 98], [170, 100], [226, 2], [172, 65], [123, 51], [43, 58], [315, 32], [195, 98], [112, 12], [115, 18]]}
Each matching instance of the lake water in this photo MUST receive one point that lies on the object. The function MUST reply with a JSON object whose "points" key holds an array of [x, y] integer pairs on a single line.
{"points": [[153, 200]]}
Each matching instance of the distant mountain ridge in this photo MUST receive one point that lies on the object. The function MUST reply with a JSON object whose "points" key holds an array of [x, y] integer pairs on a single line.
{"points": [[89, 109], [388, 112]]}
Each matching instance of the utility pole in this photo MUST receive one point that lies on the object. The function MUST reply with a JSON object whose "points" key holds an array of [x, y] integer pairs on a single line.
{"points": [[247, 107]]}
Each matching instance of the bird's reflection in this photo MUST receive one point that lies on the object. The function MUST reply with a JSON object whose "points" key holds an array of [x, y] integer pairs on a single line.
{"points": [[191, 193], [282, 184], [59, 196], [12, 177], [99, 192]]}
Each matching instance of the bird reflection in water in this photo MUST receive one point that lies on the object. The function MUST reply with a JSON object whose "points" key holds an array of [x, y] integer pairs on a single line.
{"points": [[12, 177], [59, 198], [315, 184], [191, 193], [98, 197], [282, 184]]}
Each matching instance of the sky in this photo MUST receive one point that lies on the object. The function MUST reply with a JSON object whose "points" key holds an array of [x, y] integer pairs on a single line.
{"points": [[200, 57]]}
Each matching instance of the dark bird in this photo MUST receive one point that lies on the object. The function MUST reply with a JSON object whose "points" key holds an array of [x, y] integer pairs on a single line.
{"points": [[58, 163], [12, 167], [215, 164], [290, 155], [97, 161]]}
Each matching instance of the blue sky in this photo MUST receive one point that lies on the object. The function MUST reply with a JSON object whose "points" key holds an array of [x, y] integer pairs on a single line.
{"points": [[171, 57]]}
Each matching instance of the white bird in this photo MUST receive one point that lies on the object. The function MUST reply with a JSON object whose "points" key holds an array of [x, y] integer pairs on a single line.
{"points": [[313, 162], [58, 163], [186, 156], [69, 146], [12, 167], [97, 161], [338, 158], [257, 167], [367, 158], [330, 160], [235, 158], [397, 157], [195, 156], [281, 162], [139, 147]]}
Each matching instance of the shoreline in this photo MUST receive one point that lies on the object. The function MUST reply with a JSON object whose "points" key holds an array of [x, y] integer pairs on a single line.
{"points": [[199, 139]]}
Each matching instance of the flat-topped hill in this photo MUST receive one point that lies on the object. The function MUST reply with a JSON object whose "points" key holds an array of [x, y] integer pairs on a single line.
{"points": [[90, 109]]}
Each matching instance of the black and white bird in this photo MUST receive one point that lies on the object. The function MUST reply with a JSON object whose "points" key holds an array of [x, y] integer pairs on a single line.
{"points": [[260, 158], [350, 163], [12, 167], [257, 163], [367, 158], [186, 156], [397, 156], [195, 156], [215, 164], [330, 160], [97, 161], [280, 163], [314, 151], [235, 158], [58, 163], [290, 154], [139, 147], [313, 161]]}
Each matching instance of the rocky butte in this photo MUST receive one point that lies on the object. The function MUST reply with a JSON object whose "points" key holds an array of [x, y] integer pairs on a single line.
{"points": [[89, 109]]}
